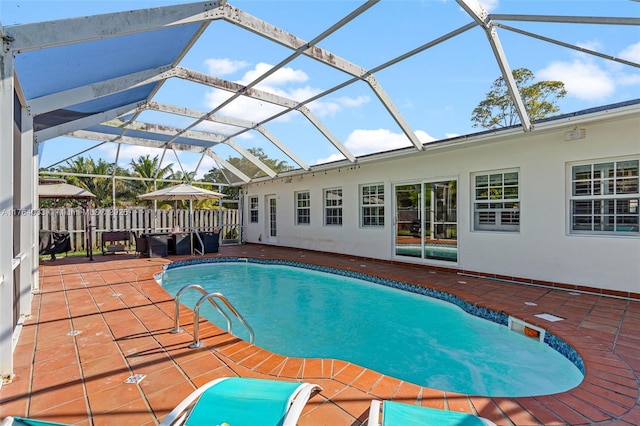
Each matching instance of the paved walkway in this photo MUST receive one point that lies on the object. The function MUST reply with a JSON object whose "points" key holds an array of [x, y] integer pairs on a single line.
{"points": [[123, 320]]}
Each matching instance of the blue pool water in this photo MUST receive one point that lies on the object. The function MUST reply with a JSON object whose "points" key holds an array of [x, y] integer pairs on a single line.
{"points": [[431, 251], [309, 314]]}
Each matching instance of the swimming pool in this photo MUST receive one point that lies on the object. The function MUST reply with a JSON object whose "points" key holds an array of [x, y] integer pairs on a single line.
{"points": [[431, 251], [310, 313]]}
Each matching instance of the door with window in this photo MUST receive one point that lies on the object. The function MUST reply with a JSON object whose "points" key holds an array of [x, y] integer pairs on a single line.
{"points": [[426, 220], [271, 219]]}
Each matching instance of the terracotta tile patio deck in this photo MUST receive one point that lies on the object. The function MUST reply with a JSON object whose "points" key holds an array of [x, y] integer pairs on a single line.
{"points": [[124, 319]]}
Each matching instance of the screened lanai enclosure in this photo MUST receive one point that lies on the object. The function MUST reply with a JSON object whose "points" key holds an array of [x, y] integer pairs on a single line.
{"points": [[344, 125], [140, 78]]}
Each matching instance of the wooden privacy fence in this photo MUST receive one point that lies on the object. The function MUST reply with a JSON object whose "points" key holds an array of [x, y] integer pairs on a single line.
{"points": [[136, 220]]}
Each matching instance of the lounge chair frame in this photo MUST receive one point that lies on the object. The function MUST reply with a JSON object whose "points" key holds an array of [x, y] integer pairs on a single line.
{"points": [[296, 403], [374, 416]]}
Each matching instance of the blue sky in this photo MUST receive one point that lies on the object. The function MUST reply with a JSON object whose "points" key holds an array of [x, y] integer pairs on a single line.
{"points": [[435, 91]]}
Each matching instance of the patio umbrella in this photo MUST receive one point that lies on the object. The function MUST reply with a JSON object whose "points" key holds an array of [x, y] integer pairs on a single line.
{"points": [[184, 191]]}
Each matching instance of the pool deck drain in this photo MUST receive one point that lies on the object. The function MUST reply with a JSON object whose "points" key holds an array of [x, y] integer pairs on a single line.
{"points": [[135, 379]]}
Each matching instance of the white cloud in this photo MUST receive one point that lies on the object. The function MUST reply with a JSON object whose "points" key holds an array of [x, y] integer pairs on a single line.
{"points": [[329, 159], [243, 107], [582, 79], [362, 142], [224, 66], [489, 5], [285, 83], [281, 77], [586, 79], [353, 102], [330, 107], [629, 80], [424, 137], [631, 53], [130, 152], [594, 45], [223, 129], [325, 108], [252, 109]]}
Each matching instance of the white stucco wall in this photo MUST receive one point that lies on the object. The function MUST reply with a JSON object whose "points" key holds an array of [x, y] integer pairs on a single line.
{"points": [[542, 250]]}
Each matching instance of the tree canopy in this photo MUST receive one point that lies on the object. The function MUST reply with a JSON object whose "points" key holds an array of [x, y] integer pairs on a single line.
{"points": [[147, 167], [498, 109], [99, 186]]}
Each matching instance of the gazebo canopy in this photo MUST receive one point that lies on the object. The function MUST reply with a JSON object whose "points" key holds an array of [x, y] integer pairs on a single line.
{"points": [[63, 190], [128, 77]]}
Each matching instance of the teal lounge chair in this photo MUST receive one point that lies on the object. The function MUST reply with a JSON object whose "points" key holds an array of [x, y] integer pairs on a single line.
{"points": [[238, 401], [397, 414], [21, 421]]}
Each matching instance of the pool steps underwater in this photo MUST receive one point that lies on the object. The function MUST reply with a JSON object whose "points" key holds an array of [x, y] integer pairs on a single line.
{"points": [[497, 317]]}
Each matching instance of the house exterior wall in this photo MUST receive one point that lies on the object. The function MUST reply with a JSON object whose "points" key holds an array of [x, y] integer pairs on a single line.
{"points": [[7, 299], [18, 251], [543, 250]]}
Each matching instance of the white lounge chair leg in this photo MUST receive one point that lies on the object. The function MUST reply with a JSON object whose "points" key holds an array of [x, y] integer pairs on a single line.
{"points": [[374, 414], [299, 400]]}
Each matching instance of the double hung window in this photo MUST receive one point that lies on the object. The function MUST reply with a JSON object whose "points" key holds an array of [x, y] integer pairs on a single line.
{"points": [[303, 208], [333, 207], [497, 201], [604, 197], [372, 205], [253, 209]]}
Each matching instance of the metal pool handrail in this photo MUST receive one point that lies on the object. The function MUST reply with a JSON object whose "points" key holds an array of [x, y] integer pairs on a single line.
{"points": [[176, 304], [196, 314], [196, 317]]}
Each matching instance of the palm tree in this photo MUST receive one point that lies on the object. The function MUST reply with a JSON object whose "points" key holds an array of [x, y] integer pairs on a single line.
{"points": [[184, 177], [148, 168], [99, 186]]}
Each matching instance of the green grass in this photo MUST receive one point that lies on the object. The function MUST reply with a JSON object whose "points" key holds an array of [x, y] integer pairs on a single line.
{"points": [[69, 254]]}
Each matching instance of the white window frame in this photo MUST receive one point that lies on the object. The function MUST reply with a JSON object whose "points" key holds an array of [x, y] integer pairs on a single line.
{"points": [[602, 204], [372, 205], [303, 208], [496, 200], [333, 200], [254, 212]]}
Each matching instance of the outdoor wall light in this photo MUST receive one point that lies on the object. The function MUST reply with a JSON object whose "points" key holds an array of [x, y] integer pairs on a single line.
{"points": [[575, 134]]}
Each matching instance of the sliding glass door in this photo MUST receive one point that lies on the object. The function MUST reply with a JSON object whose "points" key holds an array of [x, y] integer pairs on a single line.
{"points": [[426, 220]]}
